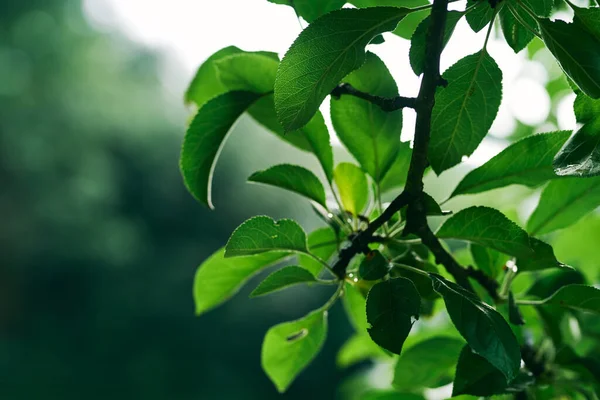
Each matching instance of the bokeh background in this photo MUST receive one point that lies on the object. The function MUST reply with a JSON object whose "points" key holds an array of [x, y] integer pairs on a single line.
{"points": [[99, 240]]}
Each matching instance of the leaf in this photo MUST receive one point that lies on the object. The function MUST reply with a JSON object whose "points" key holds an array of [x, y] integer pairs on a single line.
{"points": [[219, 278], [526, 162], [488, 260], [586, 109], [589, 18], [323, 244], [324, 53], [564, 202], [516, 34], [426, 363], [294, 178], [576, 297], [479, 16], [317, 136], [358, 348], [374, 266], [206, 84], [390, 395], [484, 329], [418, 41], [396, 175], [487, 227], [392, 308], [352, 186], [514, 314], [312, 9], [464, 110], [253, 72], [261, 234], [541, 8], [356, 308], [476, 376], [577, 52], [542, 258], [205, 138], [581, 154], [289, 347], [370, 134], [281, 279]]}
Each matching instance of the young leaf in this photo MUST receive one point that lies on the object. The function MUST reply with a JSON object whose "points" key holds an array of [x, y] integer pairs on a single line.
{"points": [[206, 83], [392, 308], [526, 162], [476, 376], [396, 175], [576, 50], [488, 260], [576, 297], [464, 110], [337, 41], [484, 329], [517, 36], [281, 279], [322, 243], [418, 41], [480, 15], [205, 138], [253, 72], [426, 363], [294, 178], [219, 278], [487, 227], [581, 154], [356, 308], [261, 234], [564, 202], [312, 9], [359, 348], [352, 186], [289, 347], [374, 266], [370, 134]]}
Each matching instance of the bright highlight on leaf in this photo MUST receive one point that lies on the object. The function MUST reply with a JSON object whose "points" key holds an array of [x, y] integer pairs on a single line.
{"points": [[323, 54]]}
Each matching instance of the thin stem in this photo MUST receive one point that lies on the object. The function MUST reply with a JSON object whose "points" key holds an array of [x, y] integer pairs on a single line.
{"points": [[336, 295], [530, 302], [489, 31], [319, 260], [412, 269]]}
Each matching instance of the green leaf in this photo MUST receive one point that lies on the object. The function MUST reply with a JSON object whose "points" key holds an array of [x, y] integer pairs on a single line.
{"points": [[487, 227], [294, 178], [541, 8], [516, 34], [205, 138], [418, 41], [312, 9], [514, 314], [488, 260], [564, 202], [358, 348], [370, 134], [374, 266], [588, 18], [576, 297], [337, 42], [323, 244], [484, 329], [352, 186], [581, 154], [464, 110], [479, 16], [261, 234], [426, 363], [390, 395], [317, 136], [392, 308], [407, 26], [586, 109], [219, 278], [281, 279], [356, 308], [526, 162], [206, 83], [577, 52], [253, 72], [396, 175], [289, 347], [542, 258], [476, 376]]}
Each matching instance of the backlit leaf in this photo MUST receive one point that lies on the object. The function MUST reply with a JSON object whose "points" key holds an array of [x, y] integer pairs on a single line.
{"points": [[352, 186], [392, 308], [281, 279], [323, 244], [359, 348], [356, 308], [480, 15], [396, 175], [312, 9], [261, 234], [324, 53], [516, 34], [464, 110], [581, 154], [488, 260]]}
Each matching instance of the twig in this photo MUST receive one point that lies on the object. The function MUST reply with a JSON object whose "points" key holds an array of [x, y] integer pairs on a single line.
{"points": [[385, 103]]}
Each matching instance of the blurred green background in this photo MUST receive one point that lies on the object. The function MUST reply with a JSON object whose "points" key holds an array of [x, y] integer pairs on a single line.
{"points": [[99, 240]]}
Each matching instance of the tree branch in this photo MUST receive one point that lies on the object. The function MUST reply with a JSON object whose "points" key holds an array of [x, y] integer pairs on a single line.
{"points": [[386, 104]]}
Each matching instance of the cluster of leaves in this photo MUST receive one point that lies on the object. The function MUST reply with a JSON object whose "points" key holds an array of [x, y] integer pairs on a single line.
{"points": [[384, 261]]}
